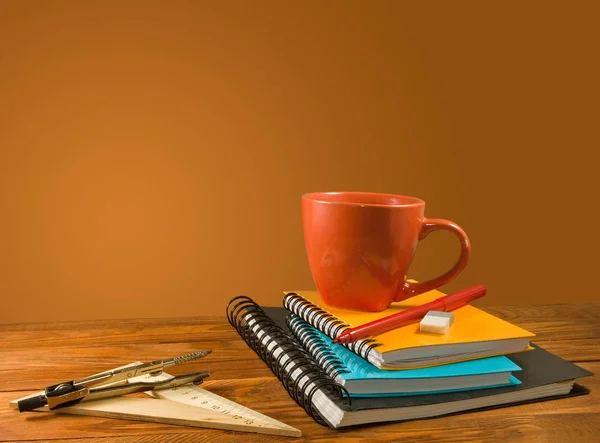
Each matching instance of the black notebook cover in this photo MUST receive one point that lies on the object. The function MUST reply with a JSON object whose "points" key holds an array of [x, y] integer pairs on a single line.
{"points": [[539, 367], [264, 329]]}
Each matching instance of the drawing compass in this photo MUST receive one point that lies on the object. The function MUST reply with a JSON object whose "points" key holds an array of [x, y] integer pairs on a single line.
{"points": [[114, 383]]}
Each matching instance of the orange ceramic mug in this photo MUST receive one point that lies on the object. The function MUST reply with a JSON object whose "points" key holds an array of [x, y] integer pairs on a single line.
{"points": [[360, 246]]}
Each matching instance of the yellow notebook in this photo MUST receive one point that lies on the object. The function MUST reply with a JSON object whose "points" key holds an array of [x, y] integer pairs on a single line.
{"points": [[474, 333]]}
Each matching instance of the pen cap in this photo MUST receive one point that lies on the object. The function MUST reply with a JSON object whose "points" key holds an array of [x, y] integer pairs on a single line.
{"points": [[463, 297]]}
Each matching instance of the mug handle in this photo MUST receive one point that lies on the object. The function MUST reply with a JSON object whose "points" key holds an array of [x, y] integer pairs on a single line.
{"points": [[429, 225]]}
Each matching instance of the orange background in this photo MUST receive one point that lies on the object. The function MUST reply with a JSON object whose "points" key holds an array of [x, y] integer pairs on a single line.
{"points": [[153, 154]]}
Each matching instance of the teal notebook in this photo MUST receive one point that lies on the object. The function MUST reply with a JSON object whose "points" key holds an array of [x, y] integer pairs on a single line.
{"points": [[361, 378]]}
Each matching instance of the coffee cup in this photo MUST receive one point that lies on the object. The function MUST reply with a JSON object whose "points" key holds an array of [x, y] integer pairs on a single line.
{"points": [[360, 246]]}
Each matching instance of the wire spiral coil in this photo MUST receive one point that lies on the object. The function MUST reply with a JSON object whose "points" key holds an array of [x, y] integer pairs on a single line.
{"points": [[300, 374], [316, 346], [326, 323]]}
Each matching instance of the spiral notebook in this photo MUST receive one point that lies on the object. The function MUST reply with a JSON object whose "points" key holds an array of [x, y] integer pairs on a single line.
{"points": [[362, 379], [474, 334], [544, 376]]}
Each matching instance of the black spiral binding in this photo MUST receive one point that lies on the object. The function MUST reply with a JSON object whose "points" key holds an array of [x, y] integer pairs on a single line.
{"points": [[316, 346], [326, 323], [250, 320]]}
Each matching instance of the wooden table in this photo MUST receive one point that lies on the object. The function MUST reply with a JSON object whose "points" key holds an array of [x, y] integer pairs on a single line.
{"points": [[33, 356]]}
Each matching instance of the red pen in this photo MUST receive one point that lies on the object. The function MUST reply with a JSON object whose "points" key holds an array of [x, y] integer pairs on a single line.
{"points": [[446, 303]]}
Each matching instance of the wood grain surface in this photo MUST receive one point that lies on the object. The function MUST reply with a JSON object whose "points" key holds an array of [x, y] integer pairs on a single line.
{"points": [[36, 355]]}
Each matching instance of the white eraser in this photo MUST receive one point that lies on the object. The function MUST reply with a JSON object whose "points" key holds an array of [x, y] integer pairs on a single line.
{"points": [[436, 322]]}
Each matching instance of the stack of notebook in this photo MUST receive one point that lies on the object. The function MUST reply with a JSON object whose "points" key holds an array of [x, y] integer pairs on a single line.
{"points": [[482, 362]]}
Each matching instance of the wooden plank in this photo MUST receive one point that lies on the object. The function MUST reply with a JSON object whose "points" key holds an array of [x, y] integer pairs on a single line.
{"points": [[548, 312], [80, 333], [555, 428], [33, 356], [562, 329], [551, 312], [267, 396], [114, 323], [26, 373], [27, 370], [476, 426], [547, 321]]}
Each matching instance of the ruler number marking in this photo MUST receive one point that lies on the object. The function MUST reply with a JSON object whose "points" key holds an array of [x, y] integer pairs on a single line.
{"points": [[223, 406]]}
